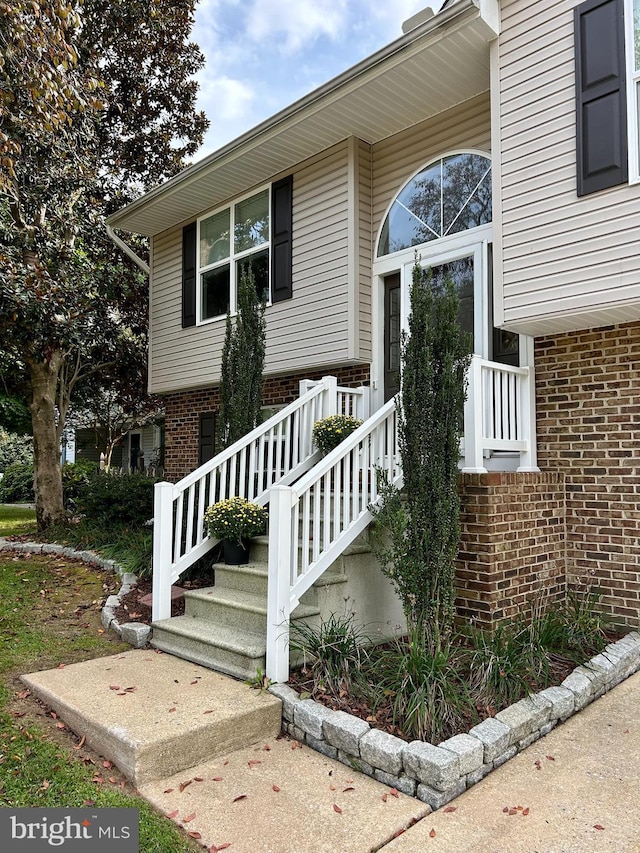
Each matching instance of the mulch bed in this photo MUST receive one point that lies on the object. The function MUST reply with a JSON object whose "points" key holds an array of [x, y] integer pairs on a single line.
{"points": [[132, 609]]}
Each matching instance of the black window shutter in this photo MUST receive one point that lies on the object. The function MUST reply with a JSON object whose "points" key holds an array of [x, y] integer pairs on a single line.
{"points": [[281, 226], [189, 275], [206, 438], [601, 107]]}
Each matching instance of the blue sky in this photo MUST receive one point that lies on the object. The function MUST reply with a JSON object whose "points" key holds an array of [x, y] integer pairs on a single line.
{"points": [[262, 55]]}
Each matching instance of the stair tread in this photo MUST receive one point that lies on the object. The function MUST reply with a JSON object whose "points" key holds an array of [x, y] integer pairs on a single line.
{"points": [[242, 600], [241, 641]]}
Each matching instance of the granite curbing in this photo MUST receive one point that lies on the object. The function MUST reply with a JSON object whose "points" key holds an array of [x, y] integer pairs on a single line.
{"points": [[137, 634], [438, 774]]}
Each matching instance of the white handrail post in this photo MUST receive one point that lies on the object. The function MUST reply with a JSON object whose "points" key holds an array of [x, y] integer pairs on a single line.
{"points": [[528, 457], [330, 396], [279, 583], [162, 550], [305, 385], [474, 420], [364, 401]]}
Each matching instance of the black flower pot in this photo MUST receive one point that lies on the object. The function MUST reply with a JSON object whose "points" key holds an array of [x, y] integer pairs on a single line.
{"points": [[236, 553]]}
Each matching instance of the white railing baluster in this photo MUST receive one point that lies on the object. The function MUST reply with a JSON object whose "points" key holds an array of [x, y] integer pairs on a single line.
{"points": [[279, 590], [162, 535]]}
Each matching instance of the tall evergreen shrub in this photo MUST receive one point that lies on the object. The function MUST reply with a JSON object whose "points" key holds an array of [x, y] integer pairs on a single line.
{"points": [[243, 363], [423, 524]]}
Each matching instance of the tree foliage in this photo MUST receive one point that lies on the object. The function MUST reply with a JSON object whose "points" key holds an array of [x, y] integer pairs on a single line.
{"points": [[423, 523], [243, 363], [96, 104]]}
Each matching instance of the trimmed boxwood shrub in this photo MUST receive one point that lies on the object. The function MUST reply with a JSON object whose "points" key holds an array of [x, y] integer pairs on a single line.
{"points": [[16, 486], [116, 499]]}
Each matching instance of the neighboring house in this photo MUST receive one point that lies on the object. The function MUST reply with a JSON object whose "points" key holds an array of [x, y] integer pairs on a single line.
{"points": [[498, 141], [139, 449]]}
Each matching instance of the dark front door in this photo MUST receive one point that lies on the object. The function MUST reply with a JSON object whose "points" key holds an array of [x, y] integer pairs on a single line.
{"points": [[392, 326]]}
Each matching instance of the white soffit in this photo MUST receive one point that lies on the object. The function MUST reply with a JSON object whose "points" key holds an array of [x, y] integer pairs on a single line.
{"points": [[429, 70]]}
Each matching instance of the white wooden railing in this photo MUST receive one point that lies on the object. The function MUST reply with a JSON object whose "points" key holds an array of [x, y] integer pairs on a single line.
{"points": [[312, 522], [499, 415], [277, 451]]}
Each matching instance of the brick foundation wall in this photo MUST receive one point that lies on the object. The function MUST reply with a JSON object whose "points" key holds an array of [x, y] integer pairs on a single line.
{"points": [[588, 421], [512, 551], [183, 410]]}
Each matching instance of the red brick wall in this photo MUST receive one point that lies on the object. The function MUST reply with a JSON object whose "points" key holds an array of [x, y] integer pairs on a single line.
{"points": [[588, 404], [512, 551], [183, 410]]}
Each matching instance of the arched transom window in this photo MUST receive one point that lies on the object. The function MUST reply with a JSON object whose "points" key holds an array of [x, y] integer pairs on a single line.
{"points": [[448, 196]]}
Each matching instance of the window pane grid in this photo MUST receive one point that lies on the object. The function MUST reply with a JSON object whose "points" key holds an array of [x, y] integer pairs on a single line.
{"points": [[222, 259]]}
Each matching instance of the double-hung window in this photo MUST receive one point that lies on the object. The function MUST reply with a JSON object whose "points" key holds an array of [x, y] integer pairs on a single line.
{"points": [[231, 240]]}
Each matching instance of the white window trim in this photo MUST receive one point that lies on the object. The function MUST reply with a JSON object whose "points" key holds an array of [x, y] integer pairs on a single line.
{"points": [[233, 257], [633, 93]]}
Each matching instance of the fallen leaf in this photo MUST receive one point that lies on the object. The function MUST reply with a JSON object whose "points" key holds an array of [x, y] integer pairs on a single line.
{"points": [[173, 814], [332, 787], [45, 784], [189, 818], [194, 682], [207, 712], [275, 788], [525, 812], [113, 781], [217, 779], [550, 758], [450, 809], [53, 714], [266, 748], [195, 835], [183, 785], [224, 763], [295, 745], [337, 808], [168, 791], [513, 811], [239, 797], [348, 788], [252, 763], [198, 779], [61, 665], [171, 710], [89, 803], [60, 725], [81, 744], [384, 798], [114, 687], [26, 693], [432, 834], [107, 764], [394, 793], [597, 826], [214, 849]]}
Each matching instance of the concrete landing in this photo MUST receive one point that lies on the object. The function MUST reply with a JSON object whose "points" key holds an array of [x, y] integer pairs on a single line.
{"points": [[153, 714], [280, 797]]}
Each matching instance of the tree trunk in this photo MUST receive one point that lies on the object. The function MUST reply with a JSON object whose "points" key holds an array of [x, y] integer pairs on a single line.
{"points": [[47, 481]]}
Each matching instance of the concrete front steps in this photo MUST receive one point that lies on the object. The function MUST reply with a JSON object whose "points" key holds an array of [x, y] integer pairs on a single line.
{"points": [[224, 627], [154, 715]]}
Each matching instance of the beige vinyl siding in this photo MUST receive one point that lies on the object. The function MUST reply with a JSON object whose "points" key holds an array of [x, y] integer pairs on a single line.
{"points": [[567, 262], [306, 332], [396, 159], [364, 250]]}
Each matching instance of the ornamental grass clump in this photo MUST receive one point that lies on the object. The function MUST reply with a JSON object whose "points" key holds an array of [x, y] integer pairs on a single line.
{"points": [[235, 519], [329, 432]]}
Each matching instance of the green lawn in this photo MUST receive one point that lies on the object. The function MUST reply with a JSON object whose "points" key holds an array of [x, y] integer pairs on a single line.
{"points": [[50, 614], [16, 521]]}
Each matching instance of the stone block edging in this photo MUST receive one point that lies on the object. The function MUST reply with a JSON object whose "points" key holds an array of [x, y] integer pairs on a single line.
{"points": [[136, 634], [438, 774]]}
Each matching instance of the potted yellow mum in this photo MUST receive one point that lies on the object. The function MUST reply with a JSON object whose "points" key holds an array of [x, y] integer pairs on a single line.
{"points": [[234, 521]]}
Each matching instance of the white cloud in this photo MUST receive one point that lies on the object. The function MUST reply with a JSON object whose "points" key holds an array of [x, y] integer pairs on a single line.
{"points": [[291, 25], [231, 99]]}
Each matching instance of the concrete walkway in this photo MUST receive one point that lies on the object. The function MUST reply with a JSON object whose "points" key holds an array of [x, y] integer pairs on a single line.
{"points": [[574, 791]]}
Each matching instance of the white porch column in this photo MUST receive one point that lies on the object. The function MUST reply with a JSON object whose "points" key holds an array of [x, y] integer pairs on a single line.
{"points": [[473, 420], [279, 583], [162, 550], [528, 457]]}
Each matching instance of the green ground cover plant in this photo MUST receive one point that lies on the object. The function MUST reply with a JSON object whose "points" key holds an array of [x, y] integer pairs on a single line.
{"points": [[50, 615], [422, 692]]}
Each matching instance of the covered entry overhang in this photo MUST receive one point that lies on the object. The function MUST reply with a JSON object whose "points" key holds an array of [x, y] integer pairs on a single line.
{"points": [[438, 64]]}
